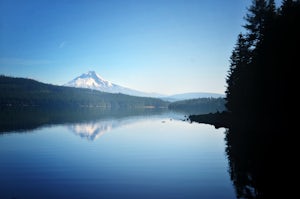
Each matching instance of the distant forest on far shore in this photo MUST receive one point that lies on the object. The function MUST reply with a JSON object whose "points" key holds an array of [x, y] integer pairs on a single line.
{"points": [[199, 106], [22, 92], [17, 93]]}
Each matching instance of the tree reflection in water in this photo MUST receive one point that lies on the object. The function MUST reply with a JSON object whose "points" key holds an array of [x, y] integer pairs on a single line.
{"points": [[27, 119], [257, 163]]}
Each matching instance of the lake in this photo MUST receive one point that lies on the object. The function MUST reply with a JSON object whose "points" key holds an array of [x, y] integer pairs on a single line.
{"points": [[152, 155]]}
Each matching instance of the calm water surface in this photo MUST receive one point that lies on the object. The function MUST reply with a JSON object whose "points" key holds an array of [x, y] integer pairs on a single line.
{"points": [[157, 156]]}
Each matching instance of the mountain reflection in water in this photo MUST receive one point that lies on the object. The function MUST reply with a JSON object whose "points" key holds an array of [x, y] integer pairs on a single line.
{"points": [[143, 154], [91, 122], [91, 131], [94, 130]]}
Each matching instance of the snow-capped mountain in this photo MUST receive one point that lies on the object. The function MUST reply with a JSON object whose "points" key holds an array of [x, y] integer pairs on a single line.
{"points": [[94, 81], [91, 80]]}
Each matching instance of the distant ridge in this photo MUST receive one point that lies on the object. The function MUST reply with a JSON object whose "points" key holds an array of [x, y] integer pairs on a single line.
{"points": [[94, 81], [193, 95]]}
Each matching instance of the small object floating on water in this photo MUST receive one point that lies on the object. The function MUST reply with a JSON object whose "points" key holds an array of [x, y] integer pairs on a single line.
{"points": [[163, 121]]}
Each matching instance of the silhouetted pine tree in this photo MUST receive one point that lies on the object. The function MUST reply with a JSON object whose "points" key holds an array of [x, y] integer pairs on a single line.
{"points": [[255, 21], [248, 71], [238, 63], [260, 139], [271, 14]]}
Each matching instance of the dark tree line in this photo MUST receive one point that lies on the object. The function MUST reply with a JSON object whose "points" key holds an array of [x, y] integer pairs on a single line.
{"points": [[261, 93], [21, 92], [264, 62], [199, 106], [16, 119]]}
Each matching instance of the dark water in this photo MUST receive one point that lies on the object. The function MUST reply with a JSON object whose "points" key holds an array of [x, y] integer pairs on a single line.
{"points": [[135, 156]]}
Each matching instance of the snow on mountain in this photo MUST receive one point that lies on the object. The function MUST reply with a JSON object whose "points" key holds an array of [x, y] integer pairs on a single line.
{"points": [[91, 80], [94, 81]]}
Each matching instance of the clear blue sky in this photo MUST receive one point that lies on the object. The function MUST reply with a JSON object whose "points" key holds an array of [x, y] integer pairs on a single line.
{"points": [[163, 46]]}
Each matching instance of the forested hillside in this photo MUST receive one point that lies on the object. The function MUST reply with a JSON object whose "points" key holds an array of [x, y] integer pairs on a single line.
{"points": [[199, 106], [22, 92]]}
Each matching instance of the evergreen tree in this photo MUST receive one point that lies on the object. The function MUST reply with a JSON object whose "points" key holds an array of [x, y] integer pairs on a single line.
{"points": [[255, 21], [259, 91], [247, 74], [286, 5], [271, 7], [270, 13], [238, 63]]}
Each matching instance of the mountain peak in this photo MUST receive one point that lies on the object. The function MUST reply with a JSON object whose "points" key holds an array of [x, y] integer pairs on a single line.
{"points": [[94, 81], [91, 80], [91, 72]]}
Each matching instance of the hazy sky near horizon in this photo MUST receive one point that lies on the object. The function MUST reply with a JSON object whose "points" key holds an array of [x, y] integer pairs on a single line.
{"points": [[163, 46]]}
